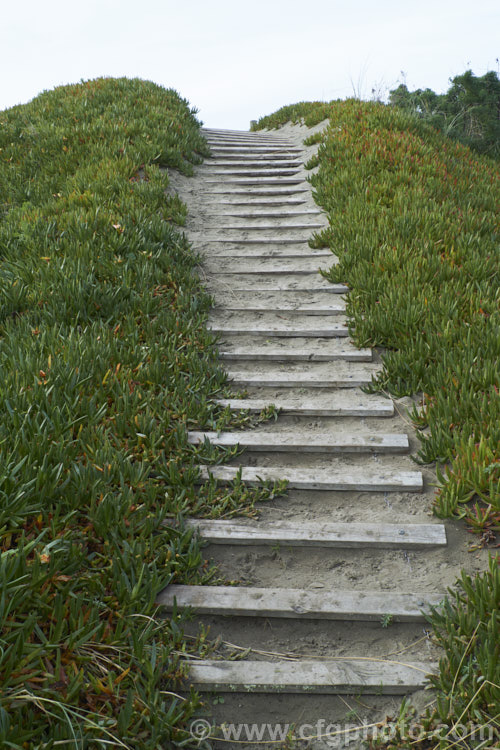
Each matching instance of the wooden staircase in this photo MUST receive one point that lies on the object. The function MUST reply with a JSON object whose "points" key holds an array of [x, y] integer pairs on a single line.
{"points": [[285, 339]]}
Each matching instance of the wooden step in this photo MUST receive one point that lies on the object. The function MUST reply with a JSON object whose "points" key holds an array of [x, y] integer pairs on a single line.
{"points": [[257, 154], [284, 300], [305, 441], [333, 404], [315, 375], [240, 601], [219, 140], [259, 191], [252, 145], [267, 227], [262, 264], [306, 282], [243, 252], [256, 246], [263, 243], [331, 479], [321, 534], [249, 201], [258, 181], [279, 213], [317, 326], [229, 163], [246, 153], [251, 153], [232, 148], [249, 134], [251, 172], [253, 148], [244, 302], [325, 676], [227, 133], [323, 350]]}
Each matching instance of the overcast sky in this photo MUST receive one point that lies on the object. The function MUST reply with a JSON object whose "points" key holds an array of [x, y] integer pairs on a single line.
{"points": [[236, 60]]}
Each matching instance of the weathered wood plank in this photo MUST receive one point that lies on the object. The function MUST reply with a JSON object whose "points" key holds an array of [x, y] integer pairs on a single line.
{"points": [[259, 181], [363, 480], [280, 225], [260, 305], [250, 134], [321, 534], [249, 200], [251, 171], [310, 303], [314, 327], [326, 405], [279, 213], [252, 191], [277, 152], [329, 350], [286, 162], [305, 441], [265, 265], [353, 376], [263, 242], [273, 137], [240, 601], [244, 252], [283, 324], [219, 140], [268, 144], [322, 676], [290, 282]]}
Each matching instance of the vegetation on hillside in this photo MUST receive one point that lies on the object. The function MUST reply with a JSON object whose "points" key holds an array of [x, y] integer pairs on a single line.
{"points": [[413, 219], [105, 363], [469, 111]]}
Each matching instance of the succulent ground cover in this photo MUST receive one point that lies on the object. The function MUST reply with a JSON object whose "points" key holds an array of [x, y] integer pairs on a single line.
{"points": [[105, 362], [413, 219]]}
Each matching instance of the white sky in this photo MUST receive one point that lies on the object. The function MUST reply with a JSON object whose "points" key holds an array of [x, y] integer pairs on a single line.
{"points": [[236, 61]]}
